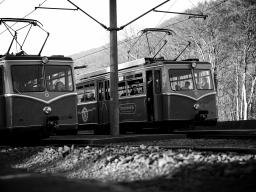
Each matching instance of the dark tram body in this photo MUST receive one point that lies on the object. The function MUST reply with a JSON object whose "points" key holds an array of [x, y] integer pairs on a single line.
{"points": [[37, 95], [163, 93]]}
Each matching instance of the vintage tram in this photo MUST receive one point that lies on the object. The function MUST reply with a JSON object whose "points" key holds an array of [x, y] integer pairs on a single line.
{"points": [[37, 93], [152, 93]]}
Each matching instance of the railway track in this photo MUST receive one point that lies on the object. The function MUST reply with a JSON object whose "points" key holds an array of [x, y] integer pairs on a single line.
{"points": [[90, 138], [102, 141], [219, 134], [109, 161], [192, 148]]}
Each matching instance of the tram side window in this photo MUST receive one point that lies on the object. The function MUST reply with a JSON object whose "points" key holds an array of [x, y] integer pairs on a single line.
{"points": [[157, 82], [203, 79], [107, 90], [101, 91], [80, 94], [1, 82], [135, 84], [122, 89], [59, 78], [89, 91], [181, 79]]}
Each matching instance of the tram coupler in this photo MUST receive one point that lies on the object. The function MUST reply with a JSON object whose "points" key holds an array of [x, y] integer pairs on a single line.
{"points": [[51, 124], [201, 115]]}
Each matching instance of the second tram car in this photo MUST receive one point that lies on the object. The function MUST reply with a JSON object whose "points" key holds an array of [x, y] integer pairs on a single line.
{"points": [[37, 94], [152, 92]]}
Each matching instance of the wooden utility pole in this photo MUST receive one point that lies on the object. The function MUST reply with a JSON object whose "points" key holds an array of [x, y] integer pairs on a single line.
{"points": [[114, 99]]}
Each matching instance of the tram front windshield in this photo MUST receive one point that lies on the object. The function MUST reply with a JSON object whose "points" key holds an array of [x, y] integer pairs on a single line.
{"points": [[38, 78], [187, 79]]}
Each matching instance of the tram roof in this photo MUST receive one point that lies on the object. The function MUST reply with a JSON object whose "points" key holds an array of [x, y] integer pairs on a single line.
{"points": [[33, 57], [133, 64], [130, 64]]}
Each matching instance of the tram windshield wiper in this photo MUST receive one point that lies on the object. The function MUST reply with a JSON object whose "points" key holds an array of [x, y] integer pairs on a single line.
{"points": [[16, 89]]}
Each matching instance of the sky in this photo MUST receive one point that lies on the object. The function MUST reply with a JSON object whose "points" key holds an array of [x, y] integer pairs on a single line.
{"points": [[73, 31]]}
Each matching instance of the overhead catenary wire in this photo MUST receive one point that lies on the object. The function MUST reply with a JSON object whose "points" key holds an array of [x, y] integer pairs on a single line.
{"points": [[216, 5], [126, 41], [136, 37], [166, 13], [174, 12], [143, 14], [156, 26], [24, 17], [2, 2], [23, 27], [195, 6], [126, 25], [176, 23]]}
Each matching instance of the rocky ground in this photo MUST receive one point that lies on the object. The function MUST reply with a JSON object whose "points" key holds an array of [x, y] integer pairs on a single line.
{"points": [[147, 167]]}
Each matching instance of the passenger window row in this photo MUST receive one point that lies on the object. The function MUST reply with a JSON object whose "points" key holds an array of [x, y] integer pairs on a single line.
{"points": [[128, 86]]}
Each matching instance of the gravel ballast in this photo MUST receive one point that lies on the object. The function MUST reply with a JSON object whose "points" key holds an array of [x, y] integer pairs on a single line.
{"points": [[147, 167]]}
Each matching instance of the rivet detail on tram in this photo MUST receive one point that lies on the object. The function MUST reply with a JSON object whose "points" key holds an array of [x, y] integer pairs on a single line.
{"points": [[193, 65], [45, 60], [47, 110], [196, 93], [46, 95]]}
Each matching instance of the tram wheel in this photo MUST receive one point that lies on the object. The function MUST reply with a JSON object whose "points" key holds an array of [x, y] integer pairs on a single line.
{"points": [[73, 132], [102, 130], [165, 128]]}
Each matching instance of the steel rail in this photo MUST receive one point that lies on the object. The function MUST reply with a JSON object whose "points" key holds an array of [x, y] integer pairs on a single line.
{"points": [[191, 148], [219, 134]]}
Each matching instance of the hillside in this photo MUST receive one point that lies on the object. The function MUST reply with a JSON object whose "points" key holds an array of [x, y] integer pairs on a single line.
{"points": [[93, 61]]}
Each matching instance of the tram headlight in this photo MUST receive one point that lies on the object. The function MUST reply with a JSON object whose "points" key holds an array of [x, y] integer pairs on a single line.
{"points": [[45, 60], [47, 110], [193, 65], [196, 106]]}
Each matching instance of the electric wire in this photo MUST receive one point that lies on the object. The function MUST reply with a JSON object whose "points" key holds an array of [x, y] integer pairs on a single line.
{"points": [[196, 7], [2, 2], [122, 42], [23, 27], [131, 38], [91, 53], [216, 5], [125, 40], [105, 48], [156, 26], [166, 13], [24, 17], [176, 23]]}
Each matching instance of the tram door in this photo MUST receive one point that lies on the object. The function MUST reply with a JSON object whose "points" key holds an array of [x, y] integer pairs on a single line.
{"points": [[158, 112], [150, 96], [2, 101], [104, 95], [154, 98]]}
